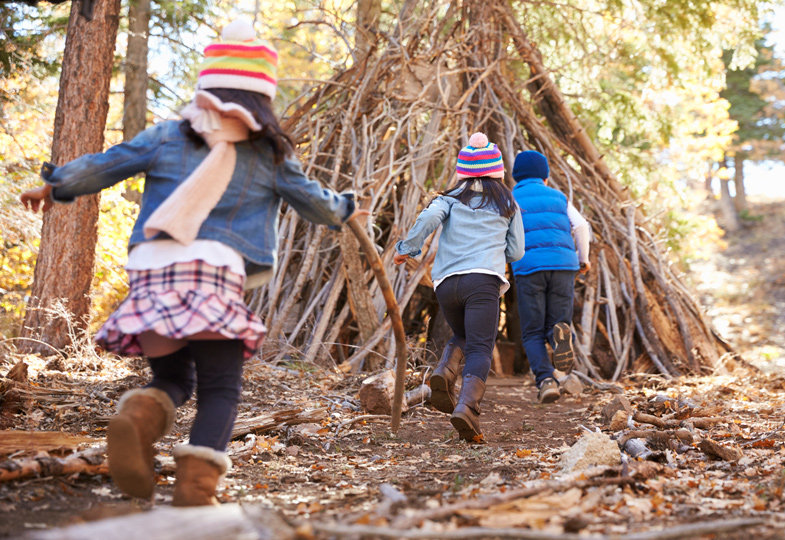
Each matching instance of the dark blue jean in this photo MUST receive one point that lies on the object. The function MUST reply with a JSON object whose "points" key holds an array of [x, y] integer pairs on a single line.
{"points": [[214, 368], [544, 299], [470, 303]]}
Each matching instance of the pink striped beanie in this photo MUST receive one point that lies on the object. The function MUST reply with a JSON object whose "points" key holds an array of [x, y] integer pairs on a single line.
{"points": [[480, 158], [240, 61]]}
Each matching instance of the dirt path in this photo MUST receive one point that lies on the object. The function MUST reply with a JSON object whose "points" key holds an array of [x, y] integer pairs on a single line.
{"points": [[743, 285], [325, 472], [333, 470]]}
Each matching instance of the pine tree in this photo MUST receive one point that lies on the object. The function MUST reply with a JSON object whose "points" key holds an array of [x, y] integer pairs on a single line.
{"points": [[64, 268], [755, 95]]}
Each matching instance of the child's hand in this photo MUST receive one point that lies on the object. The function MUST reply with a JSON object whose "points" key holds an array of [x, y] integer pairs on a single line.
{"points": [[32, 199], [400, 259], [585, 267]]}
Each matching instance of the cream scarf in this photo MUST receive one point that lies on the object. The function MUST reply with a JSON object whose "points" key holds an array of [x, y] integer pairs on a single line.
{"points": [[185, 209]]}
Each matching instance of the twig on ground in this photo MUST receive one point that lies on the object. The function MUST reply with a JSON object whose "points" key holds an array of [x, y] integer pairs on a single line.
{"points": [[679, 531]]}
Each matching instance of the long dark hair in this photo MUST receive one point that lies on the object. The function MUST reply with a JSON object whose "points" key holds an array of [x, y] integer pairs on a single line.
{"points": [[261, 107], [495, 194]]}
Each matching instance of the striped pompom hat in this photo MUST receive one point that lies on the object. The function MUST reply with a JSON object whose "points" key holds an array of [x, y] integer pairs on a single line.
{"points": [[480, 158], [240, 61]]}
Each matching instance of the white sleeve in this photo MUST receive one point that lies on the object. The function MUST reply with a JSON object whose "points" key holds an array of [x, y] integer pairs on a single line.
{"points": [[582, 232]]}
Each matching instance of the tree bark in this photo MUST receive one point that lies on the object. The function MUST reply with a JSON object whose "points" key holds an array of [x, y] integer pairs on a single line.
{"points": [[729, 217], [135, 95], [135, 91], [64, 268], [707, 181], [740, 200]]}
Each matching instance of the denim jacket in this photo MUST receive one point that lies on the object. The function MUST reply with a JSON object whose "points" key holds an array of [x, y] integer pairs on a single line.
{"points": [[471, 238], [246, 216]]}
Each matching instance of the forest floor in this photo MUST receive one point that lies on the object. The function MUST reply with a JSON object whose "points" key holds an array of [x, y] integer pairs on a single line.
{"points": [[715, 443]]}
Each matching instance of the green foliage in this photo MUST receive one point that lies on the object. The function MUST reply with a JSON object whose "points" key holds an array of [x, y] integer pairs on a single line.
{"points": [[26, 38], [746, 215], [757, 108]]}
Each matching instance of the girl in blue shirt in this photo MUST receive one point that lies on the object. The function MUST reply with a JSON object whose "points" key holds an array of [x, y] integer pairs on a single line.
{"points": [[481, 232]]}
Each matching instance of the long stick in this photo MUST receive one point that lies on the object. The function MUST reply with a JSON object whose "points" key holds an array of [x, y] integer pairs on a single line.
{"points": [[690, 530], [401, 351]]}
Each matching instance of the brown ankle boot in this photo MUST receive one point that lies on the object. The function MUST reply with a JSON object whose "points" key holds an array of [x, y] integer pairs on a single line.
{"points": [[199, 469], [443, 378], [143, 416], [465, 419]]}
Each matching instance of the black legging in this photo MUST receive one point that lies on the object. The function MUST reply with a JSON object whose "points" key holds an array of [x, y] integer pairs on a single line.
{"points": [[470, 303], [214, 368]]}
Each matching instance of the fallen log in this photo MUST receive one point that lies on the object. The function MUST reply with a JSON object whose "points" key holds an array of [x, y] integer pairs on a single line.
{"points": [[272, 420], [12, 441], [658, 439], [377, 393], [679, 531], [91, 461], [715, 449], [670, 422], [224, 522]]}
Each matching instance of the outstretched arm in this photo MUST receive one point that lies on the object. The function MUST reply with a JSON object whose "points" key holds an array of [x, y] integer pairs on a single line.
{"points": [[582, 232], [312, 201], [427, 222], [91, 173]]}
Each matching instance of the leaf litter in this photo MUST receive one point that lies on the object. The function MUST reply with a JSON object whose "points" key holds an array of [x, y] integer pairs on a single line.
{"points": [[309, 452]]}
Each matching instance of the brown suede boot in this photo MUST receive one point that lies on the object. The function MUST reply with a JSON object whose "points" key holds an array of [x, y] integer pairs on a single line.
{"points": [[199, 469], [465, 419], [143, 416], [443, 378]]}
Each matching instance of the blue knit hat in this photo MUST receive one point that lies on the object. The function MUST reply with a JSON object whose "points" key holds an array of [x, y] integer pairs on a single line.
{"points": [[530, 164]]}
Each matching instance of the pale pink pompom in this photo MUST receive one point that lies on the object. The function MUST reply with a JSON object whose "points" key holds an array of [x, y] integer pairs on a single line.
{"points": [[478, 140], [238, 30]]}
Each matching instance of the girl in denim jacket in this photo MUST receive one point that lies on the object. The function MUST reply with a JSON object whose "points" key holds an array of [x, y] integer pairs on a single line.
{"points": [[207, 228], [481, 232]]}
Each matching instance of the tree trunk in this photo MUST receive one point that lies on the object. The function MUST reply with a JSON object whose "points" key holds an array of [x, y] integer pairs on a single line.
{"points": [[368, 12], [135, 91], [708, 181], [740, 200], [135, 97], [64, 268], [730, 219]]}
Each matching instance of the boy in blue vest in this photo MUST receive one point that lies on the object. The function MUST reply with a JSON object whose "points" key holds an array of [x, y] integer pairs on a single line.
{"points": [[545, 276]]}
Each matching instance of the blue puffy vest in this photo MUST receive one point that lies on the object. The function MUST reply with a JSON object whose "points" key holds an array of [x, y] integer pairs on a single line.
{"points": [[549, 243]]}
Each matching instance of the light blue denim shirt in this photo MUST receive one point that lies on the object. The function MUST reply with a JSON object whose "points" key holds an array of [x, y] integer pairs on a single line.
{"points": [[471, 238], [246, 216]]}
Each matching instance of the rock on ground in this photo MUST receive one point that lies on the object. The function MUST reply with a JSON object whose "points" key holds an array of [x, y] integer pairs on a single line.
{"points": [[591, 450]]}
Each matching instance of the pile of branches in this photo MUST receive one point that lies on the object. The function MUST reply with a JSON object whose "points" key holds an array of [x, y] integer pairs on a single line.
{"points": [[390, 127]]}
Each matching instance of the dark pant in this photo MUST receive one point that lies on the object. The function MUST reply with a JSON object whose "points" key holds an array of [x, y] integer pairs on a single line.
{"points": [[214, 368], [470, 303], [544, 299]]}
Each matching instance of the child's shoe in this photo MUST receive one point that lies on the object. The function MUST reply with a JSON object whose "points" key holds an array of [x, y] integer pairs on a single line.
{"points": [[143, 416], [443, 379], [563, 357], [466, 416], [549, 391], [199, 469]]}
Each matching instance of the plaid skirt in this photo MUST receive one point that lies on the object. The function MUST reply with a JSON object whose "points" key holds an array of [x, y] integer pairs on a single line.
{"points": [[179, 301]]}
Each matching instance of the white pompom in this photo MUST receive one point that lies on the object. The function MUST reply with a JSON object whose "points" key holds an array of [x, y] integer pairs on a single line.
{"points": [[238, 30], [478, 140]]}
